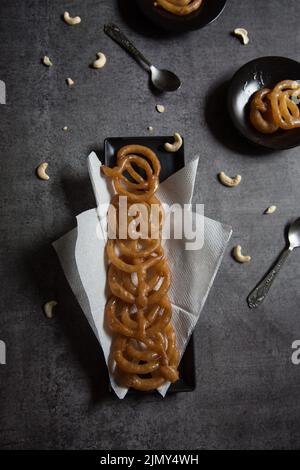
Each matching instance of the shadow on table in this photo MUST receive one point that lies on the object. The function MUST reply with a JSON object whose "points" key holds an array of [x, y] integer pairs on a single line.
{"points": [[49, 278], [79, 194], [221, 126], [43, 266], [135, 19]]}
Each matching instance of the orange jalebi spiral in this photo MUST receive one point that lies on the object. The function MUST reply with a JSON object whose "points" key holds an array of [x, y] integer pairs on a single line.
{"points": [[286, 114], [138, 311], [275, 109], [180, 7], [261, 112]]}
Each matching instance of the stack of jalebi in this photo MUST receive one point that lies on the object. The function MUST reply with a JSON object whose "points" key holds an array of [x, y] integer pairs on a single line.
{"points": [[275, 109], [138, 311]]}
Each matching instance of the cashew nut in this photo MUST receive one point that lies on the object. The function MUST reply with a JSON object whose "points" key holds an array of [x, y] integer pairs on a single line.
{"points": [[71, 20], [41, 171], [47, 61], [237, 254], [243, 34], [270, 210], [100, 62], [70, 82], [230, 182], [160, 108], [176, 145], [48, 308]]}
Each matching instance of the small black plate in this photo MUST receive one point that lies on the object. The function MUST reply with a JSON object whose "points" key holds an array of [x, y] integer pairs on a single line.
{"points": [[208, 12], [169, 165], [259, 73]]}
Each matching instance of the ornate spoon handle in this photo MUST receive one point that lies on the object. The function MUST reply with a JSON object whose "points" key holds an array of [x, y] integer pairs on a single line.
{"points": [[115, 33], [258, 295]]}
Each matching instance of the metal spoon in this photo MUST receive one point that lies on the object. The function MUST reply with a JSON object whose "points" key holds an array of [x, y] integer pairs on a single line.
{"points": [[163, 80], [259, 294]]}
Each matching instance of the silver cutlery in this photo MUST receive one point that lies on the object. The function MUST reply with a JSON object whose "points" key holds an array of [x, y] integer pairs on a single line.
{"points": [[258, 295], [163, 80]]}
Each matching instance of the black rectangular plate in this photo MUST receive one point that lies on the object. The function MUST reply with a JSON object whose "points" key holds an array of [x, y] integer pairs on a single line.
{"points": [[170, 163]]}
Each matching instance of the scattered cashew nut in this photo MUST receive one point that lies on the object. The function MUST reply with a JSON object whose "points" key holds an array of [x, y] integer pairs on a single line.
{"points": [[70, 82], [243, 34], [270, 210], [41, 171], [230, 182], [47, 61], [160, 108], [100, 62], [71, 20], [176, 145], [238, 256], [48, 308]]}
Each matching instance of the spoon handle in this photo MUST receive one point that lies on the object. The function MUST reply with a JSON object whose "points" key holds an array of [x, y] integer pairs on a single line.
{"points": [[115, 33], [258, 295]]}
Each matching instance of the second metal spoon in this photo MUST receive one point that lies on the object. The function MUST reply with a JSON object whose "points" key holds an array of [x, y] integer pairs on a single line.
{"points": [[163, 80], [259, 294]]}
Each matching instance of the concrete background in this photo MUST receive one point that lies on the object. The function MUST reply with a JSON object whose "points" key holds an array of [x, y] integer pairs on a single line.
{"points": [[53, 390]]}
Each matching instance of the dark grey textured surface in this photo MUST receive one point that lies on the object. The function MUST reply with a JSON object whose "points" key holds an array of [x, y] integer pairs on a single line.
{"points": [[52, 390]]}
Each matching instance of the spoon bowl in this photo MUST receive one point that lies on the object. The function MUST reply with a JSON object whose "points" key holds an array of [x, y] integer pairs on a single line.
{"points": [[164, 80], [294, 234]]}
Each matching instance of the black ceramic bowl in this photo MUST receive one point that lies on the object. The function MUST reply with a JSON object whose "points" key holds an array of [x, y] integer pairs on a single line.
{"points": [[257, 74], [208, 12]]}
